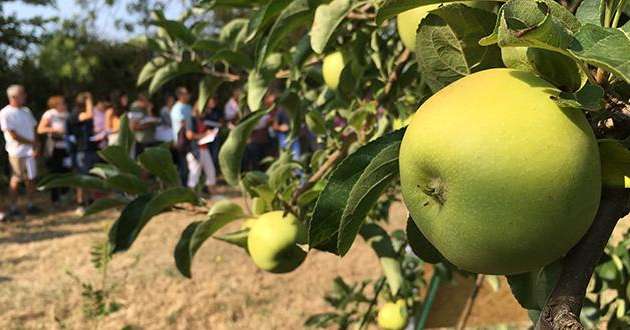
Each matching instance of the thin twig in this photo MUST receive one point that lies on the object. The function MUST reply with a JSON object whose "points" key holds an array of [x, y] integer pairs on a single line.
{"points": [[563, 307], [393, 76], [366, 316], [320, 173], [470, 302]]}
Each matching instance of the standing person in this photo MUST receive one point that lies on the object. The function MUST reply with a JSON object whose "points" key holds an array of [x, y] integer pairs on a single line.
{"points": [[164, 131], [258, 145], [81, 130], [53, 125], [99, 118], [142, 122], [120, 100], [213, 117], [230, 110], [18, 125], [181, 113], [200, 136], [280, 125], [112, 123]]}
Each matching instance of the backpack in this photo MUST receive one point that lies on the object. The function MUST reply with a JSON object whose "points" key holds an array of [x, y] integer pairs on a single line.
{"points": [[182, 145]]}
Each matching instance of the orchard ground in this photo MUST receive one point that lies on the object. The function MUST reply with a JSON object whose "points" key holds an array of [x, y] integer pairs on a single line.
{"points": [[226, 292]]}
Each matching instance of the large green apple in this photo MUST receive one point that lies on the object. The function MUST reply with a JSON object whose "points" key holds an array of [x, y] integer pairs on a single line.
{"points": [[393, 316], [407, 22], [272, 242], [331, 69], [497, 176]]}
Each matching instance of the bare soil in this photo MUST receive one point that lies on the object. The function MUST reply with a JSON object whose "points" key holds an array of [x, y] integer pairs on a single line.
{"points": [[226, 292]]}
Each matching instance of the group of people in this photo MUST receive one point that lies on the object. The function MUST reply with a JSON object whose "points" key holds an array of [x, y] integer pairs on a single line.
{"points": [[72, 138]]}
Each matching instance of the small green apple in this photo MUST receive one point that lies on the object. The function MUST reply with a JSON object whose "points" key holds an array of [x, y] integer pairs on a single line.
{"points": [[393, 316], [332, 68], [272, 242], [497, 176]]}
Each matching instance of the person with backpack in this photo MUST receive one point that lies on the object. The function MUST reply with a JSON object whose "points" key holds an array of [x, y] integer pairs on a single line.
{"points": [[200, 136]]}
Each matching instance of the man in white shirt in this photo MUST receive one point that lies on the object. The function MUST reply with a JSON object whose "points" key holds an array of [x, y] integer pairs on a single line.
{"points": [[18, 126]]}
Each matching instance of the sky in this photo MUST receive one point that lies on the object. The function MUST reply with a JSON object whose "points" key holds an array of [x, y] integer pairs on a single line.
{"points": [[67, 8]]}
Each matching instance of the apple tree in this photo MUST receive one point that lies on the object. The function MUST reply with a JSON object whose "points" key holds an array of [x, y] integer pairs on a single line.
{"points": [[504, 126]]}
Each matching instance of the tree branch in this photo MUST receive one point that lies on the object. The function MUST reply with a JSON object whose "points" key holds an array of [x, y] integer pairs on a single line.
{"points": [[563, 307], [321, 171]]}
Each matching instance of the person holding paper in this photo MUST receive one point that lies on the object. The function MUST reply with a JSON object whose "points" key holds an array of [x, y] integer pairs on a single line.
{"points": [[199, 158]]}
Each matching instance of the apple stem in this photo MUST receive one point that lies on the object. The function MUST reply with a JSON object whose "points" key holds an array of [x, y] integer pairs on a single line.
{"points": [[562, 310]]}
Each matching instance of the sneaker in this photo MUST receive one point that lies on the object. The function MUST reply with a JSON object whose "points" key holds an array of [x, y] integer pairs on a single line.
{"points": [[32, 209], [13, 215], [80, 211]]}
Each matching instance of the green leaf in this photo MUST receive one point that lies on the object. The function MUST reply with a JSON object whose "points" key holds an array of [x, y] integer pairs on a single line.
{"points": [[206, 45], [234, 32], [104, 171], [590, 98], [238, 238], [329, 210], [366, 190], [125, 136], [207, 87], [392, 8], [321, 320], [119, 157], [126, 228], [420, 245], [127, 183], [494, 282], [171, 71], [75, 181], [232, 57], [103, 204], [159, 162], [297, 14], [447, 46], [381, 243], [197, 233], [177, 30], [606, 48], [590, 12], [264, 17], [607, 270], [231, 152], [615, 163], [137, 214], [327, 17], [282, 170], [541, 24], [560, 70], [532, 289], [256, 90], [316, 122], [149, 69]]}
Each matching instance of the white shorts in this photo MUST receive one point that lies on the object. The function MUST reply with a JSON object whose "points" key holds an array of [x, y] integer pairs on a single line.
{"points": [[23, 168]]}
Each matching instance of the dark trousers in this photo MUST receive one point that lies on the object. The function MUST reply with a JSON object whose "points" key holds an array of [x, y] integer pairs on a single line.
{"points": [[55, 165], [182, 166]]}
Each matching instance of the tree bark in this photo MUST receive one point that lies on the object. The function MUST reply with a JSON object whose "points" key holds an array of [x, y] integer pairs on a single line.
{"points": [[562, 310]]}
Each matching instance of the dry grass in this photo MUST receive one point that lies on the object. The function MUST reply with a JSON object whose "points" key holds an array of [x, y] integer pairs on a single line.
{"points": [[226, 292]]}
